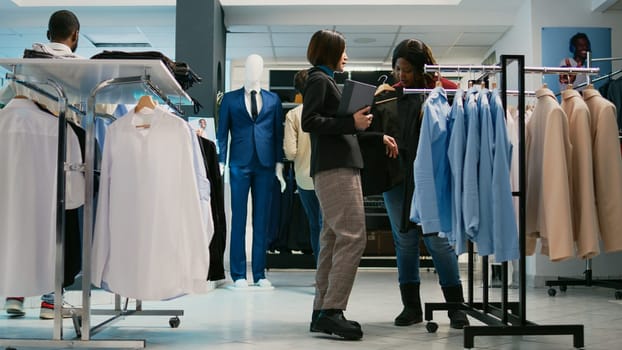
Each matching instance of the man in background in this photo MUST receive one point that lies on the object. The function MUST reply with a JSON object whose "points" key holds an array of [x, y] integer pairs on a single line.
{"points": [[579, 45]]}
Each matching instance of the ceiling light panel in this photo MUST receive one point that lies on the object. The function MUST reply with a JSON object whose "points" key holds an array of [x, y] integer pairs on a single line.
{"points": [[116, 40]]}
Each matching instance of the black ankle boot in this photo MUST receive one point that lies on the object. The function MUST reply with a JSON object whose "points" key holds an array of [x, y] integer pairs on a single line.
{"points": [[457, 318], [316, 314], [411, 300], [332, 321]]}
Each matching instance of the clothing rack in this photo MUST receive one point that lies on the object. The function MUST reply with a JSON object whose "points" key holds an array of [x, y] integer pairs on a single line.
{"points": [[588, 281], [86, 80], [498, 321], [61, 99]]}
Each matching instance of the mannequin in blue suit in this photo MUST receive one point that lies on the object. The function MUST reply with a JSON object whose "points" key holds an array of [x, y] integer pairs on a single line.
{"points": [[255, 154]]}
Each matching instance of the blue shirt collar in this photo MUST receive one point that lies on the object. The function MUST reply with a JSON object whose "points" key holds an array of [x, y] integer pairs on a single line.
{"points": [[327, 70]]}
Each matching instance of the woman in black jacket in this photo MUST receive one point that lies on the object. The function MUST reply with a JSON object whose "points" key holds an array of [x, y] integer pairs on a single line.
{"points": [[336, 162], [409, 58]]}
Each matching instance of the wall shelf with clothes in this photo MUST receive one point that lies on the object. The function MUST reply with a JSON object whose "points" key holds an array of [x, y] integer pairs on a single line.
{"points": [[613, 158], [81, 84], [504, 317]]}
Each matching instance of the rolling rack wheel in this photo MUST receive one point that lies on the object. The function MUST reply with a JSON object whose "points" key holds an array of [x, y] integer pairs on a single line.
{"points": [[174, 322], [618, 294], [431, 327], [552, 292], [563, 288]]}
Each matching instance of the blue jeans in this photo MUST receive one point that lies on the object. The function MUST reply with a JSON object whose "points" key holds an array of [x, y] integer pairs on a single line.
{"points": [[311, 206], [407, 246]]}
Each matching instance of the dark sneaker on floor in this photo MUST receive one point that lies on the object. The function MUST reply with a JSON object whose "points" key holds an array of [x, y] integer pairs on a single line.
{"points": [[15, 306]]}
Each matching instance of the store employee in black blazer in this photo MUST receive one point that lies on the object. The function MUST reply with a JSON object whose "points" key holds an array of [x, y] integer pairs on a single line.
{"points": [[336, 162]]}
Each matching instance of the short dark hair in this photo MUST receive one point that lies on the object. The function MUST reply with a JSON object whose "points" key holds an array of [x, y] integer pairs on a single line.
{"points": [[572, 44], [62, 25], [326, 48], [300, 79]]}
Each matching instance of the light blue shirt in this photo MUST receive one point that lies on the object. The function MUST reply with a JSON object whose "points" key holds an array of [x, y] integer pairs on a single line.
{"points": [[455, 153], [504, 222], [470, 211], [484, 236], [431, 202]]}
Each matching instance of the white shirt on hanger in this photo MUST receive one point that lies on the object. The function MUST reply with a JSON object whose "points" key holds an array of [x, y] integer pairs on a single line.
{"points": [[28, 154], [151, 240]]}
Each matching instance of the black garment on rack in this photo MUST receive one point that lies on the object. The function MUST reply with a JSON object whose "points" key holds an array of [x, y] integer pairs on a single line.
{"points": [[181, 70], [614, 94], [29, 53], [380, 173], [410, 110], [291, 225], [294, 221], [73, 229], [280, 212], [217, 201]]}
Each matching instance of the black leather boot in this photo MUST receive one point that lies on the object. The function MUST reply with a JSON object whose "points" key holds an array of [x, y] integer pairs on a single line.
{"points": [[316, 314], [457, 318], [332, 321], [411, 300]]}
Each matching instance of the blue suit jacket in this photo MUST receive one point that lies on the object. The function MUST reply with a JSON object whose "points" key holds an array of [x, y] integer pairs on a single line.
{"points": [[264, 135]]}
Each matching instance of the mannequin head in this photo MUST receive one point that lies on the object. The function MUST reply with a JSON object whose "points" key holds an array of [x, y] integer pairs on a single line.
{"points": [[254, 69]]}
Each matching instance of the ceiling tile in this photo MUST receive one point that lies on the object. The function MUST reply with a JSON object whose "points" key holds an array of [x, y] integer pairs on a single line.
{"points": [[481, 39], [246, 40], [296, 29], [366, 29], [368, 39], [431, 38], [291, 39], [368, 54], [248, 29]]}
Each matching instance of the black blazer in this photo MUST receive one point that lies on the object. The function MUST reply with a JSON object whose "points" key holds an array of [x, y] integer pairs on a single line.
{"points": [[333, 140], [217, 201]]}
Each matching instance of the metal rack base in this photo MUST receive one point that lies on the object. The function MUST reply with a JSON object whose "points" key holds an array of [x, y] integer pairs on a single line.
{"points": [[64, 344], [470, 332]]}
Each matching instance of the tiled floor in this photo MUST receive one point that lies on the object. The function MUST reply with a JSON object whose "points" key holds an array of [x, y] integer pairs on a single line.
{"points": [[279, 319]]}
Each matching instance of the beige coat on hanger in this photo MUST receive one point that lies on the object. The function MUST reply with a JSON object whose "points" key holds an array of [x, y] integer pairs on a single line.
{"points": [[548, 156], [607, 169], [583, 198]]}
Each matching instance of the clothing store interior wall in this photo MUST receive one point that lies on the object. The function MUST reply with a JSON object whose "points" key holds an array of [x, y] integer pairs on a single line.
{"points": [[464, 31], [458, 32]]}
